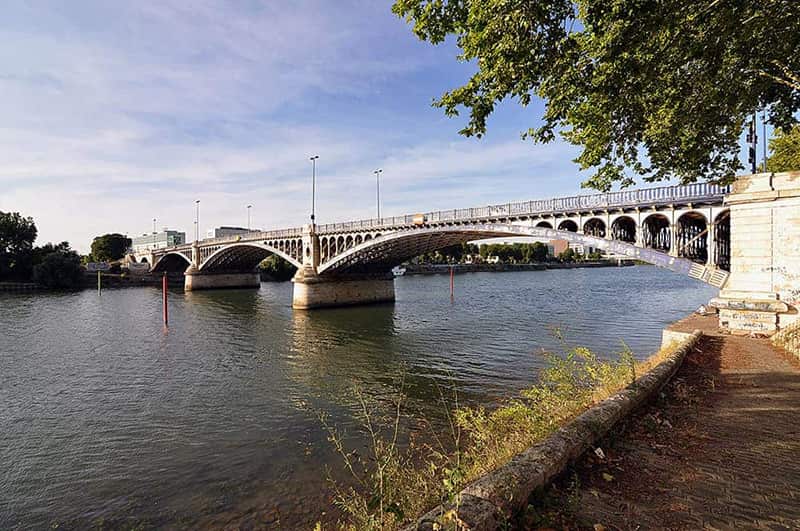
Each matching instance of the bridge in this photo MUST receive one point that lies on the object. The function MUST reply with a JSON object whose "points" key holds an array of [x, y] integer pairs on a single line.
{"points": [[686, 229]]}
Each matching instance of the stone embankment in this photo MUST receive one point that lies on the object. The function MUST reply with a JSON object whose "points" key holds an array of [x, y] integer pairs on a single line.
{"points": [[439, 269], [19, 286], [493, 500]]}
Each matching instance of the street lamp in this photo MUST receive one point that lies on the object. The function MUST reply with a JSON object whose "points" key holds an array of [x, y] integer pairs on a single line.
{"points": [[197, 221], [248, 217], [378, 189], [154, 233], [313, 185]]}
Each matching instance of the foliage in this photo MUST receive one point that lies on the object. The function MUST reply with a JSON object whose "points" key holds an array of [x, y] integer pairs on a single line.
{"points": [[515, 252], [277, 269], [568, 255], [393, 486], [648, 88], [59, 270], [17, 235], [109, 247], [785, 149], [594, 255]]}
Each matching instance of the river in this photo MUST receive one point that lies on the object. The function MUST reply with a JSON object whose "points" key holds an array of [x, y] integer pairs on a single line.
{"points": [[108, 419]]}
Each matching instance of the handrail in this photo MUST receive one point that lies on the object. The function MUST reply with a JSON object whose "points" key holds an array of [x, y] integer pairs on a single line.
{"points": [[644, 197]]}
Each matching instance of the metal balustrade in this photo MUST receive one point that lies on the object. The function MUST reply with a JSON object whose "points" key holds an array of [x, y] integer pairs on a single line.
{"points": [[627, 198]]}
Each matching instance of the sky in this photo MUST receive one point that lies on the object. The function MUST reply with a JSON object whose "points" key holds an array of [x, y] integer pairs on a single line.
{"points": [[116, 113]]}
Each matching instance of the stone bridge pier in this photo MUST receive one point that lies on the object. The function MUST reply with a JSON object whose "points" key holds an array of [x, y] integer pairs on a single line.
{"points": [[312, 290], [196, 278], [762, 293]]}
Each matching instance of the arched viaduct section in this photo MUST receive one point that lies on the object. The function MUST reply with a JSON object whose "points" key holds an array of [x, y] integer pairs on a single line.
{"points": [[378, 255]]}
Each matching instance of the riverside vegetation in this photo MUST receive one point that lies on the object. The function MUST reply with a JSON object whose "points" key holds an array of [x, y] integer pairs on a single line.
{"points": [[394, 483]]}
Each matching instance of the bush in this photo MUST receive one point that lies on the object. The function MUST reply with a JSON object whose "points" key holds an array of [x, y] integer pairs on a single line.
{"points": [[393, 486], [568, 256], [59, 270]]}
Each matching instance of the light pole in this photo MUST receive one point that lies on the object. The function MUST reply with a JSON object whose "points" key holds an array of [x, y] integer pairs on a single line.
{"points": [[248, 217], [154, 233], [197, 221], [378, 189], [313, 185]]}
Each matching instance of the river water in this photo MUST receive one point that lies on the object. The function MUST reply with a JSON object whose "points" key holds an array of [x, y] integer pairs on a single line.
{"points": [[108, 419]]}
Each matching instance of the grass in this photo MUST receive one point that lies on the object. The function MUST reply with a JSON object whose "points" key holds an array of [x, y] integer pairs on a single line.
{"points": [[394, 484]]}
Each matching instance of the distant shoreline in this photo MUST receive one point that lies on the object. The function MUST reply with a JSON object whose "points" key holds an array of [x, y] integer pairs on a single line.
{"points": [[440, 269]]}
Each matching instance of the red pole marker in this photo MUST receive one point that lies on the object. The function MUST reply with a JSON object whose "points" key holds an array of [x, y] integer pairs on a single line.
{"points": [[452, 283], [164, 299]]}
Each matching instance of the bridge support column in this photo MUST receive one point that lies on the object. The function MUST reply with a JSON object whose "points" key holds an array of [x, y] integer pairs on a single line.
{"points": [[762, 294], [197, 280], [321, 292]]}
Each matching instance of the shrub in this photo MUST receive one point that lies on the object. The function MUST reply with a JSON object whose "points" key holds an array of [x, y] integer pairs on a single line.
{"points": [[59, 270]]}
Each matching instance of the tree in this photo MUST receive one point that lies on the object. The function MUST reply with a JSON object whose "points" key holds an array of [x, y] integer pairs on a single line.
{"points": [[785, 147], [648, 88], [568, 255], [109, 247], [277, 269], [59, 270], [17, 235]]}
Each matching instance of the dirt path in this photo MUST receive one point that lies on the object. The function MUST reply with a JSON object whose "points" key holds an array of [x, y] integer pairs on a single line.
{"points": [[719, 450]]}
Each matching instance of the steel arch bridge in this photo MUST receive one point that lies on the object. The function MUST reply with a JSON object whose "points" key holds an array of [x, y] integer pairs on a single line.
{"points": [[681, 228]]}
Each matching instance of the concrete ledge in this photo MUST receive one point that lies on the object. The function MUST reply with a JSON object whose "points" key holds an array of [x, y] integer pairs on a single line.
{"points": [[489, 502]]}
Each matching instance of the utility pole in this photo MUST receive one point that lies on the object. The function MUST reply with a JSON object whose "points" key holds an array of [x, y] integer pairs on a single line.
{"points": [[197, 221], [313, 186], [764, 138], [752, 140], [378, 189]]}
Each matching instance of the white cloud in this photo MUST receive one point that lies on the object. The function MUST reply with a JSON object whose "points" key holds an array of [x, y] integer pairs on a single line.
{"points": [[117, 113]]}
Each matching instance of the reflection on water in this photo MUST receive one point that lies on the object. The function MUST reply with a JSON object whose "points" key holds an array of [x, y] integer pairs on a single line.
{"points": [[104, 415]]}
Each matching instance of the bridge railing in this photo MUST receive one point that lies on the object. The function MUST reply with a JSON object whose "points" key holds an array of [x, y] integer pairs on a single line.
{"points": [[558, 205]]}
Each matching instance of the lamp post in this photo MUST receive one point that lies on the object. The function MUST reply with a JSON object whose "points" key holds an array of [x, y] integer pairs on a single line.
{"points": [[378, 189], [313, 185], [154, 233], [197, 221], [248, 217]]}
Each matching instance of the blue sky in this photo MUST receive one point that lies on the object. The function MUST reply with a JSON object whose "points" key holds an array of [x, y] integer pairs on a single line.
{"points": [[115, 113]]}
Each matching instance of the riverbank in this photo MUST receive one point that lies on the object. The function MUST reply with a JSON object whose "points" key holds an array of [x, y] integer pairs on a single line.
{"points": [[717, 450], [440, 269]]}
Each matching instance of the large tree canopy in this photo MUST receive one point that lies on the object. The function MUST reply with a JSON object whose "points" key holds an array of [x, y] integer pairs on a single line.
{"points": [[785, 150], [17, 234], [649, 88], [109, 247]]}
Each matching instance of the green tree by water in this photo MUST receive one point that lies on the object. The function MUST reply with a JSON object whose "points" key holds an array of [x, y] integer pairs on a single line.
{"points": [[785, 147], [277, 269], [17, 234], [649, 89], [109, 247], [59, 270]]}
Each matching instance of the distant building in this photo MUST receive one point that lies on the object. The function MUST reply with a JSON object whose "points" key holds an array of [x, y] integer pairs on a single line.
{"points": [[558, 246], [224, 232], [158, 240]]}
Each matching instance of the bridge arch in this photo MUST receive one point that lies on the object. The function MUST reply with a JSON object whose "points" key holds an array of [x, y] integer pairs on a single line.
{"points": [[657, 232], [595, 227], [691, 239], [545, 224], [382, 253], [568, 225], [623, 228], [244, 257], [173, 262], [722, 239]]}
